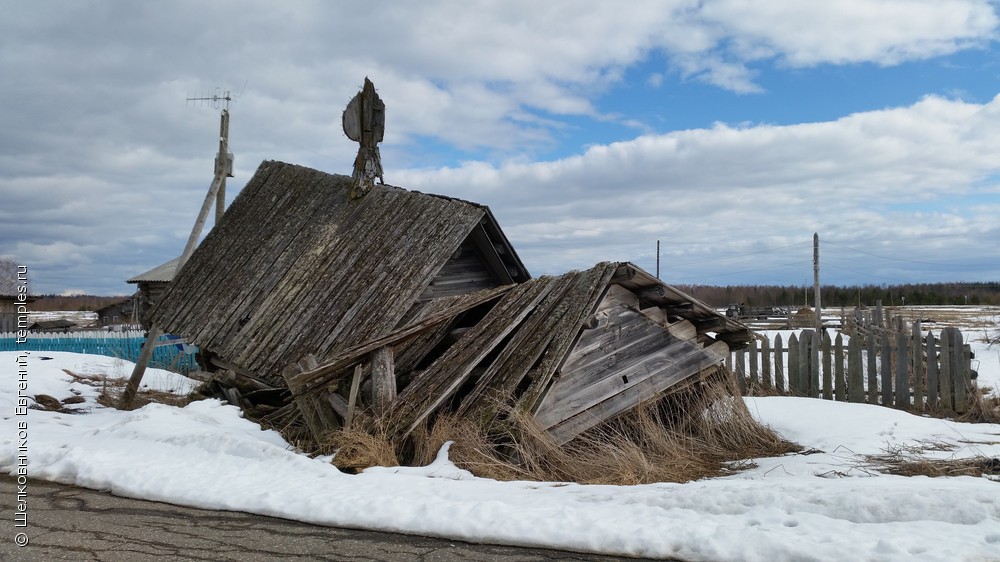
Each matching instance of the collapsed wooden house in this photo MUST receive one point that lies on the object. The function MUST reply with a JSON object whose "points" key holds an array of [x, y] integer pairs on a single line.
{"points": [[401, 305]]}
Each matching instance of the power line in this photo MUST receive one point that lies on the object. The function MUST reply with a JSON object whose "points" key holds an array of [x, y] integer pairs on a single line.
{"points": [[903, 259], [741, 255]]}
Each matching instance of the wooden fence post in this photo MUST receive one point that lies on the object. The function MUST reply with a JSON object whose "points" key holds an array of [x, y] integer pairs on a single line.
{"points": [[827, 367], [814, 345], [917, 365], [886, 367], [932, 371], [754, 382], [765, 363], [779, 365], [741, 370], [902, 367], [872, 342], [960, 358], [793, 363], [840, 382], [947, 398], [855, 375]]}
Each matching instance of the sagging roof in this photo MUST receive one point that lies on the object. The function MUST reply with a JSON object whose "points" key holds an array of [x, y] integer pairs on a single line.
{"points": [[574, 350], [297, 267]]}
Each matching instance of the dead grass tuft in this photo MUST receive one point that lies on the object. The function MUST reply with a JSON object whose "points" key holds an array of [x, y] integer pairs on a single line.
{"points": [[356, 449], [983, 407], [903, 461], [695, 433]]}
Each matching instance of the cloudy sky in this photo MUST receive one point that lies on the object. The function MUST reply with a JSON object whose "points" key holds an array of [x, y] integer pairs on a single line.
{"points": [[730, 130]]}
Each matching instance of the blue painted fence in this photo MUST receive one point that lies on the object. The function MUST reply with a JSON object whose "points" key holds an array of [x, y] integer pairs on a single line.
{"points": [[177, 357]]}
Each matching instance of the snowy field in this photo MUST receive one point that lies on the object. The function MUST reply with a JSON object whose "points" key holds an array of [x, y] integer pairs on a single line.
{"points": [[830, 504]]}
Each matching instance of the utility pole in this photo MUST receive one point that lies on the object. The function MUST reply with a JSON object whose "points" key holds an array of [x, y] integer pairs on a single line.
{"points": [[816, 296], [217, 194], [657, 259]]}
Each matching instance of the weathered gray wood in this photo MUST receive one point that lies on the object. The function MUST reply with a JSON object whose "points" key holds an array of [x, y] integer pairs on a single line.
{"points": [[945, 372], [902, 371], [828, 385], [886, 367], [814, 363], [317, 411], [933, 385], [446, 374], [765, 355], [805, 363], [855, 373], [917, 365], [793, 364], [840, 380], [960, 371], [383, 373], [779, 365], [872, 342], [352, 397], [754, 382], [741, 371]]}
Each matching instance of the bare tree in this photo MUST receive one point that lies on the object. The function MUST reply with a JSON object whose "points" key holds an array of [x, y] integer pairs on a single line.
{"points": [[8, 276]]}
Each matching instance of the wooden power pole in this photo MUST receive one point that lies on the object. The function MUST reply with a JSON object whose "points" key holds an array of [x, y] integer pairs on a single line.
{"points": [[816, 295], [216, 194]]}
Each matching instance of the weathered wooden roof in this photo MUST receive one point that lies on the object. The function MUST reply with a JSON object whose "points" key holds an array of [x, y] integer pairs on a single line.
{"points": [[574, 349], [296, 267], [162, 273]]}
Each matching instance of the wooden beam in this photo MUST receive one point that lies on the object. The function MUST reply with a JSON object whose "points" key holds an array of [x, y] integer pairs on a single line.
{"points": [[333, 370], [352, 399], [383, 378]]}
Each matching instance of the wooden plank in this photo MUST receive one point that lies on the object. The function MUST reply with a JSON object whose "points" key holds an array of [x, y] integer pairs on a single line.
{"points": [[352, 398], [827, 366], [754, 382], [888, 396], [621, 376], [317, 412], [333, 369], [932, 371], [765, 362], [945, 375], [446, 374], [648, 389], [840, 380], [917, 365], [793, 364], [902, 368], [872, 342], [779, 365], [383, 373], [855, 372]]}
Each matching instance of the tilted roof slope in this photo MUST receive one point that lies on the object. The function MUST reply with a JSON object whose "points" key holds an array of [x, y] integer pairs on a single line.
{"points": [[297, 267]]}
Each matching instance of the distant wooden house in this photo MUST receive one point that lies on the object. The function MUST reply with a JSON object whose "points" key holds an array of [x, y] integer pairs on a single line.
{"points": [[54, 325], [119, 312], [407, 303], [8, 312], [151, 286]]}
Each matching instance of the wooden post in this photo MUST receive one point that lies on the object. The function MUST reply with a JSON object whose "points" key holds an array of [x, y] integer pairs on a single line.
{"points": [[947, 398], [902, 368], [932, 371], [741, 370], [793, 364], [840, 382], [886, 367], [383, 378], [917, 365], [128, 395], [352, 399], [754, 382], [765, 363], [872, 342], [960, 374], [827, 367], [779, 364], [814, 347], [805, 365], [855, 375]]}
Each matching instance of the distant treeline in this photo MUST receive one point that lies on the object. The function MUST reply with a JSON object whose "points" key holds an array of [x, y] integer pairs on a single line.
{"points": [[867, 295], [75, 302]]}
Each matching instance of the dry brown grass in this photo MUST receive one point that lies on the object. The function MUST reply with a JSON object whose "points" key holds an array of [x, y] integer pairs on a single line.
{"points": [[905, 461], [704, 430], [984, 407], [112, 389], [356, 449]]}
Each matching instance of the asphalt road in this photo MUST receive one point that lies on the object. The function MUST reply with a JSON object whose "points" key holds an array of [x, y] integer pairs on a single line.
{"points": [[69, 523]]}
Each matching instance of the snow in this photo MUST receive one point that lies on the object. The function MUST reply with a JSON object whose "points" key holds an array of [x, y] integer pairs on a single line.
{"points": [[830, 504]]}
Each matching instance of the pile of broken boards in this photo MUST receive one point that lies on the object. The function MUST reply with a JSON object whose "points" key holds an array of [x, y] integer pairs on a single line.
{"points": [[319, 311]]}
